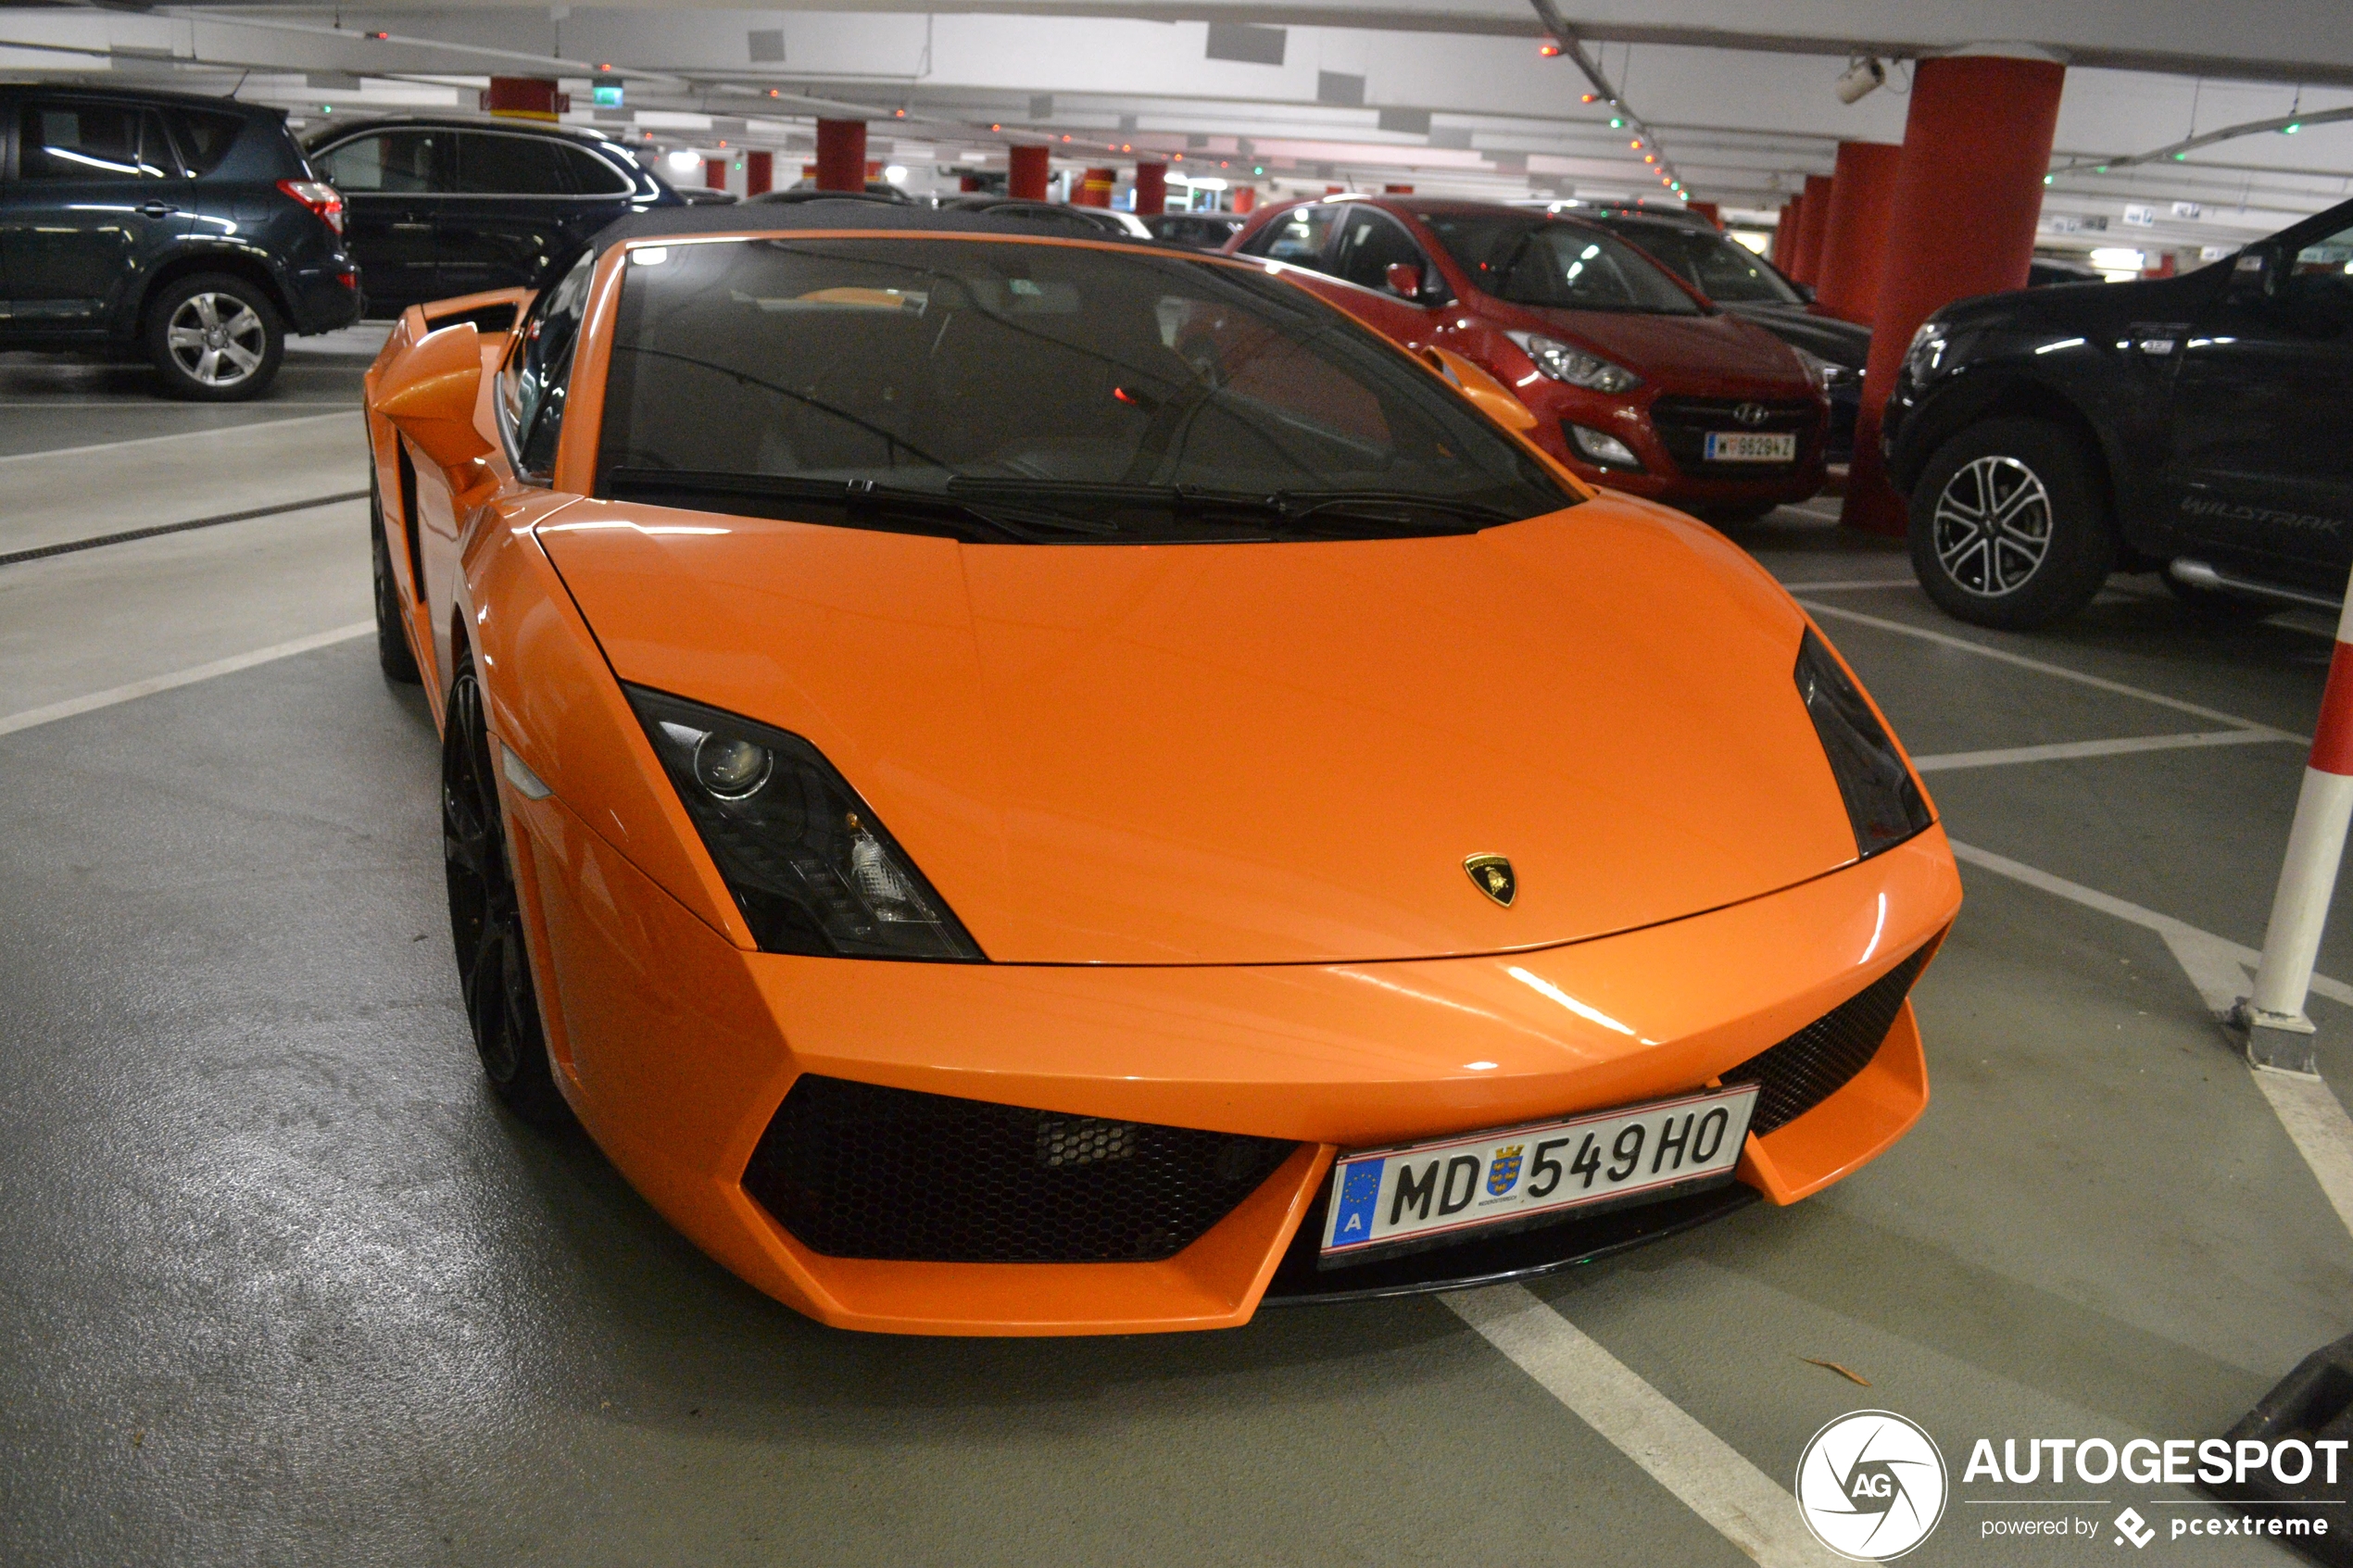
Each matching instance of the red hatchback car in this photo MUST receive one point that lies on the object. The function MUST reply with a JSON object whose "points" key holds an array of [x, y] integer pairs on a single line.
{"points": [[1636, 382]]}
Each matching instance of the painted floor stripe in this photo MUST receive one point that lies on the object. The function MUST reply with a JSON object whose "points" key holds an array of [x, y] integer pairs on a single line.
{"points": [[1707, 1475], [244, 427], [154, 683], [2314, 1117], [1945, 639], [2069, 750]]}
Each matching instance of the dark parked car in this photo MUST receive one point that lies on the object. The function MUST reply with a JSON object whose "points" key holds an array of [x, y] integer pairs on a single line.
{"points": [[1749, 286], [2201, 425], [1196, 230], [441, 208], [187, 229], [1066, 219], [2047, 270], [1637, 382]]}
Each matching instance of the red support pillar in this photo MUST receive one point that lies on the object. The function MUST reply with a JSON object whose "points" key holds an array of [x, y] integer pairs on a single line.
{"points": [[1708, 210], [1151, 189], [1855, 245], [714, 173], [1812, 224], [1095, 189], [1026, 173], [1245, 197], [1785, 232], [1969, 192], [841, 155], [968, 181], [759, 173]]}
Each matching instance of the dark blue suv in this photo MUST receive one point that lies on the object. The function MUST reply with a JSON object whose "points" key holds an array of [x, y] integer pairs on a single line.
{"points": [[187, 229]]}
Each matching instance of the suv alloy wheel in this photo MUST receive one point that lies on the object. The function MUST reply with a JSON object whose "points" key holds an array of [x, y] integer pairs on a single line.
{"points": [[2009, 525]]}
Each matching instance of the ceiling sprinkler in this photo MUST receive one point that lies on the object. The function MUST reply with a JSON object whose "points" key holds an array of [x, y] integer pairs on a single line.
{"points": [[1862, 78]]}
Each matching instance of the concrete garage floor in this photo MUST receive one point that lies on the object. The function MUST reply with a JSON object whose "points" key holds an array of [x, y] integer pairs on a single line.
{"points": [[279, 1283]]}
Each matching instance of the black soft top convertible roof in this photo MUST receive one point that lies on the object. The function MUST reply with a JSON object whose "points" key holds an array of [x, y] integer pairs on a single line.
{"points": [[842, 212]]}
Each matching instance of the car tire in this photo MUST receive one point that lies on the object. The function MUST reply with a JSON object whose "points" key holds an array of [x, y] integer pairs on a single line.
{"points": [[2215, 607], [485, 915], [2010, 526], [393, 653], [215, 338]]}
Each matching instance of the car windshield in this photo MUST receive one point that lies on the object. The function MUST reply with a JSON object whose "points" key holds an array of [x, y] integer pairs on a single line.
{"points": [[998, 391], [1526, 259], [1725, 271]]}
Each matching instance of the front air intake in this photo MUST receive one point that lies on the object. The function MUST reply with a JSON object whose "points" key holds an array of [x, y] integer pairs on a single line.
{"points": [[859, 1171], [1821, 1058]]}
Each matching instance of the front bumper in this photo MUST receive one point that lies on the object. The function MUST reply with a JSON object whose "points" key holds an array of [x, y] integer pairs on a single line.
{"points": [[677, 1048], [1665, 433]]}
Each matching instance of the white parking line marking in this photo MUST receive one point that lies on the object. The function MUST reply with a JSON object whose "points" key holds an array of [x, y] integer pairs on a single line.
{"points": [[154, 683], [178, 436], [2314, 1119], [1851, 585], [1945, 639], [2069, 750], [1707, 1474]]}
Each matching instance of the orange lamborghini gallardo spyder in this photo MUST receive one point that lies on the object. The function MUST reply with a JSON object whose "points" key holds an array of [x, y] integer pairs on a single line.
{"points": [[1031, 786]]}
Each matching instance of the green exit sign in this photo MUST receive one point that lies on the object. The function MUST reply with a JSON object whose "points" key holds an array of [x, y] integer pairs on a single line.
{"points": [[609, 97]]}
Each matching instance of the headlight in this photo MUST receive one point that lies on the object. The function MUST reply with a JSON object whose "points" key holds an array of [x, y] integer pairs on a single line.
{"points": [[1575, 365], [1826, 373], [1927, 349], [1882, 803], [812, 869]]}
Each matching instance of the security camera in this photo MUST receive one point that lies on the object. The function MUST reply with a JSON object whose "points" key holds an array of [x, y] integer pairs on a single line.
{"points": [[1864, 76]]}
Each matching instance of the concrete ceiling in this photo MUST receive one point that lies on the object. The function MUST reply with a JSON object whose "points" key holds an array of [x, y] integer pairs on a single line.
{"points": [[1449, 95]]}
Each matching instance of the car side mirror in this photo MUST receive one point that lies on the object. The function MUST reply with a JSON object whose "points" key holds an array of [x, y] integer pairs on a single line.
{"points": [[1487, 394], [1404, 279], [429, 393], [2255, 274]]}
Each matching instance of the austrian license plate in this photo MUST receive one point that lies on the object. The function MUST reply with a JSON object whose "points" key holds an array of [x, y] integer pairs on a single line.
{"points": [[1745, 446], [1385, 1198]]}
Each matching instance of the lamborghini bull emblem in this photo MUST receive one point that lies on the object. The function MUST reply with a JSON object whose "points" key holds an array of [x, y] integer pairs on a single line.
{"points": [[1502, 1172], [1491, 874]]}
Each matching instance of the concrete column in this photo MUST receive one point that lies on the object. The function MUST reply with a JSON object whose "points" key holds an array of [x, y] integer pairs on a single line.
{"points": [[1854, 242], [1785, 238], [1095, 189], [714, 173], [1026, 173], [841, 155], [1708, 210], [759, 173], [1813, 223], [1969, 191], [1151, 189]]}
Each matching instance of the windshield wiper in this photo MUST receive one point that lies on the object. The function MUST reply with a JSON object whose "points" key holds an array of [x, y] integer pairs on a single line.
{"points": [[1196, 502], [865, 503]]}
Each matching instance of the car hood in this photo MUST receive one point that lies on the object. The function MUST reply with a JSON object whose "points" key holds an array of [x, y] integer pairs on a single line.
{"points": [[1261, 753], [1735, 358], [1841, 343]]}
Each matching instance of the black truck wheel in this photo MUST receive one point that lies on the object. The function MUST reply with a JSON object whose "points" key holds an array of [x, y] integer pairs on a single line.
{"points": [[2010, 525]]}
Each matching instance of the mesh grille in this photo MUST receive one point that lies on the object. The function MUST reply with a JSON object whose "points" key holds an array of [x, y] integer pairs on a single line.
{"points": [[859, 1171], [1683, 422], [1822, 1058]]}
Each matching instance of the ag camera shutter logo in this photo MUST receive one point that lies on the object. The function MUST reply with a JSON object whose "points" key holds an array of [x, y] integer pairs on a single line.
{"points": [[1871, 1486]]}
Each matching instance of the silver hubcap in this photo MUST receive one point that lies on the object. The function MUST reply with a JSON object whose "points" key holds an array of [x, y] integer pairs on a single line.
{"points": [[1992, 526], [216, 338]]}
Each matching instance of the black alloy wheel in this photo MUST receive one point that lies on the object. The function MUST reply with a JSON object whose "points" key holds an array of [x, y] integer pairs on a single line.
{"points": [[393, 653], [485, 917], [2009, 525]]}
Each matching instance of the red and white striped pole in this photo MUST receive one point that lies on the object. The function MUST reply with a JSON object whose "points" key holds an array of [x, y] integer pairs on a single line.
{"points": [[2278, 1033]]}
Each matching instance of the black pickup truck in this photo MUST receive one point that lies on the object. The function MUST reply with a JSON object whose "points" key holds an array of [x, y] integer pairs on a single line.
{"points": [[2200, 426]]}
